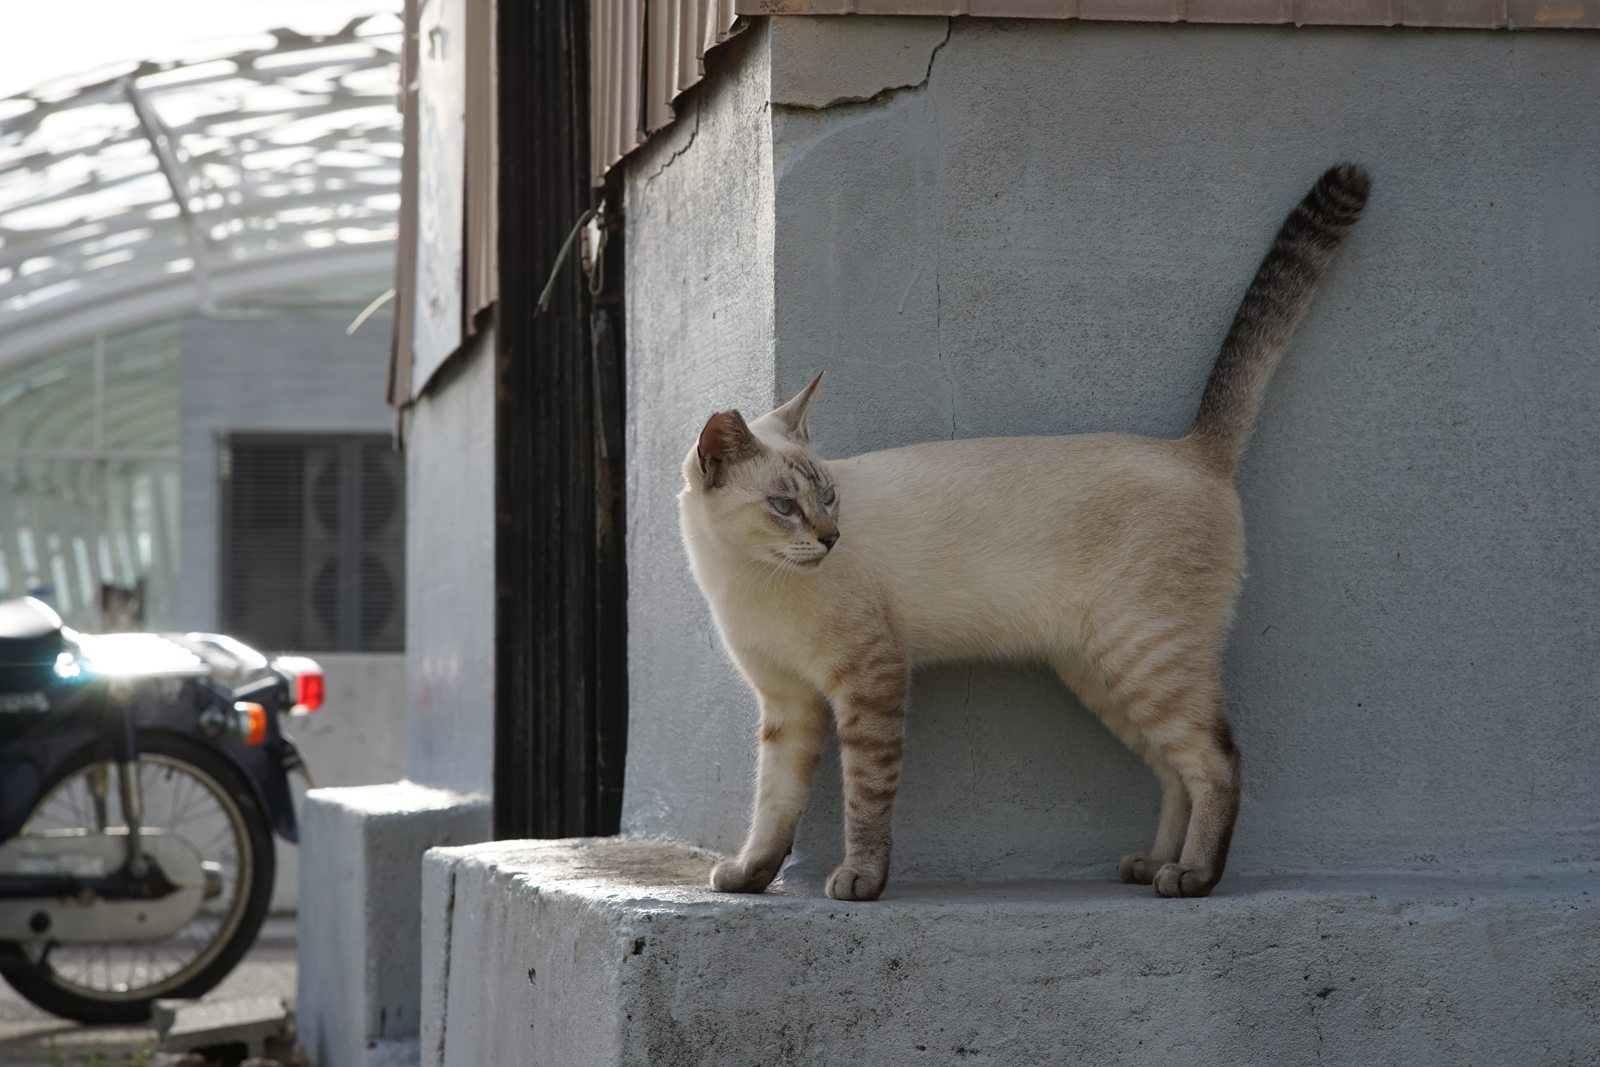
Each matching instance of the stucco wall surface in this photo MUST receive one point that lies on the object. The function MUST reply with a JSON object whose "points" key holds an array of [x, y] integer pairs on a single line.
{"points": [[699, 306], [1050, 235], [268, 375], [585, 953], [450, 576]]}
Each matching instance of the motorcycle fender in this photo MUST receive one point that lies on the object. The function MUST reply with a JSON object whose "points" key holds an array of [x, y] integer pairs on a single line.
{"points": [[262, 764]]}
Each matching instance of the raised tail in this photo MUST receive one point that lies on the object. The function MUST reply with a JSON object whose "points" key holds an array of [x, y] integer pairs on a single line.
{"points": [[1272, 307]]}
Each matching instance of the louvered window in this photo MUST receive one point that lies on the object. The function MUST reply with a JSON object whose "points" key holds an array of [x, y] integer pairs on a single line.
{"points": [[313, 542]]}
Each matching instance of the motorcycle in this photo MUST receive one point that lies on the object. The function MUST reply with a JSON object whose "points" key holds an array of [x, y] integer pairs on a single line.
{"points": [[107, 903]]}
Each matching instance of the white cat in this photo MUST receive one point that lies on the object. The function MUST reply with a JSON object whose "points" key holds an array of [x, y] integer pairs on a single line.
{"points": [[1114, 559]]}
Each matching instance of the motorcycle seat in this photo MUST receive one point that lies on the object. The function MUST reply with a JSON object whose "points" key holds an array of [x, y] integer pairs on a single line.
{"points": [[30, 633]]}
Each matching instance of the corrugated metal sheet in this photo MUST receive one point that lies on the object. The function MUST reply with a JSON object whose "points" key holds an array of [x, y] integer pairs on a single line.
{"points": [[482, 281], [642, 55], [616, 70], [405, 261], [441, 182], [446, 272], [1442, 14]]}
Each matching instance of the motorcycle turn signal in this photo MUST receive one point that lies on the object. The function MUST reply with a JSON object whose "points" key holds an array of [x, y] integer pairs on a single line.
{"points": [[245, 722], [249, 723]]}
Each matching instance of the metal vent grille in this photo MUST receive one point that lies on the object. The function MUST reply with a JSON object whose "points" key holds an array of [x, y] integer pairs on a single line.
{"points": [[313, 543]]}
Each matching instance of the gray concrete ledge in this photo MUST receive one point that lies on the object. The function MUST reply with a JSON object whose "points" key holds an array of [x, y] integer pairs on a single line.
{"points": [[610, 952]]}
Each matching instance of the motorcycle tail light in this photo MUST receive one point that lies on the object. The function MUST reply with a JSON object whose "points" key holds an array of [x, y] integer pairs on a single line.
{"points": [[250, 723], [304, 676], [308, 691]]}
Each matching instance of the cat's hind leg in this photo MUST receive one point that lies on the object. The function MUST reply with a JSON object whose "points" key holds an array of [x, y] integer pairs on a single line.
{"points": [[794, 726], [1184, 721], [1136, 867], [1200, 747], [1141, 867]]}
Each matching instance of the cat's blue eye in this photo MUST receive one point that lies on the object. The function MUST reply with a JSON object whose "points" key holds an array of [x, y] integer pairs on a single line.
{"points": [[828, 497], [781, 504]]}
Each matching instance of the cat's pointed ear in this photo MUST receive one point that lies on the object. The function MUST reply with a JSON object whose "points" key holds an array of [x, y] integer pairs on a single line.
{"points": [[794, 418], [725, 440]]}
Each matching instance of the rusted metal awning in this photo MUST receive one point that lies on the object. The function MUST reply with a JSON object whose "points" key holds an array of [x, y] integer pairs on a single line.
{"points": [[447, 268], [642, 55]]}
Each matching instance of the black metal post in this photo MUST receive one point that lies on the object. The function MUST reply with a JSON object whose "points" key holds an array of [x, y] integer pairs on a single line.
{"points": [[560, 694]]}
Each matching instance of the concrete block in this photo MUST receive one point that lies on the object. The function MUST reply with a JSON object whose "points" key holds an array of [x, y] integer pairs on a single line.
{"points": [[360, 890], [358, 738], [251, 1021], [610, 952]]}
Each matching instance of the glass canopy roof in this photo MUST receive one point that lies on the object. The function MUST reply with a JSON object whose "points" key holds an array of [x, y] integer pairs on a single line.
{"points": [[161, 188]]}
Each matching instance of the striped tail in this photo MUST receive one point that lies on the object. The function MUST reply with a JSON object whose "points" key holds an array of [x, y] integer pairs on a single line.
{"points": [[1272, 308]]}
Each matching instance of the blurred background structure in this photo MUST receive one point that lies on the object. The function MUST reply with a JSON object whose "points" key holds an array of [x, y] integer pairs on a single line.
{"points": [[192, 436], [153, 220]]}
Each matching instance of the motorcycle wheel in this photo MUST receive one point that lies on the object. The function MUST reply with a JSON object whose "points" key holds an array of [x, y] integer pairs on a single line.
{"points": [[189, 789]]}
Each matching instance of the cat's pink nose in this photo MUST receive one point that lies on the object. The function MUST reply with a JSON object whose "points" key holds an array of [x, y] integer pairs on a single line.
{"points": [[828, 540]]}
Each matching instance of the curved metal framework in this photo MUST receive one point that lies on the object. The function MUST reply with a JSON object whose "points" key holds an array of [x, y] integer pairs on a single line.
{"points": [[165, 188]]}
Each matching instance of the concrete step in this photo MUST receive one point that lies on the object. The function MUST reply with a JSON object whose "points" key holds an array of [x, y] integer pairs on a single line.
{"points": [[612, 952], [262, 1024]]}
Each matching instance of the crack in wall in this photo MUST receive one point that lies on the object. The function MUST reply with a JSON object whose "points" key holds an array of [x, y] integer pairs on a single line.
{"points": [[791, 150], [673, 158], [938, 253], [444, 981], [949, 28]]}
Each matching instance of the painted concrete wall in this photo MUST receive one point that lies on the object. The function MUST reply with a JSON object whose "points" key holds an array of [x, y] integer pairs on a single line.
{"points": [[1049, 235], [450, 577], [700, 337], [270, 375], [357, 738]]}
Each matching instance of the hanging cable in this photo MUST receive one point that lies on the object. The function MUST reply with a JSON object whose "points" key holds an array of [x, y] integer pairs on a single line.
{"points": [[597, 258], [561, 257]]}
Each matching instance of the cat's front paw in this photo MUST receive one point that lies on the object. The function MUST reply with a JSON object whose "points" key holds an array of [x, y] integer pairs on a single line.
{"points": [[857, 883], [734, 876], [1174, 880], [1138, 868]]}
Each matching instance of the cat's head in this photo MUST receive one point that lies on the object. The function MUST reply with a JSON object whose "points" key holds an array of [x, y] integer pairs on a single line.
{"points": [[761, 487]]}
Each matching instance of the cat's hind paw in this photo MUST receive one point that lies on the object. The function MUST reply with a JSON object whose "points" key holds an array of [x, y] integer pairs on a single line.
{"points": [[1138, 868], [733, 876], [856, 883], [1173, 880]]}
